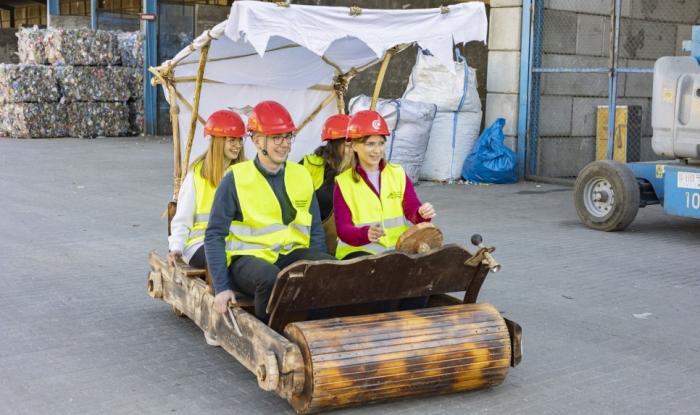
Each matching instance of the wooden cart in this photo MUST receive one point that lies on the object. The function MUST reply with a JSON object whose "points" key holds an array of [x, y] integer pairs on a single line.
{"points": [[359, 357]]}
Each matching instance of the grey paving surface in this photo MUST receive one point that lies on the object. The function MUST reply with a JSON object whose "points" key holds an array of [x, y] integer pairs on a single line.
{"points": [[610, 320]]}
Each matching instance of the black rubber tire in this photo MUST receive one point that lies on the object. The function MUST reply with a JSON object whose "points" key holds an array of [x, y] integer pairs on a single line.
{"points": [[624, 186]]}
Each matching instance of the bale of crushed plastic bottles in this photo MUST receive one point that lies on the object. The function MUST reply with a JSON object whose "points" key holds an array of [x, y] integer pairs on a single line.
{"points": [[97, 119], [82, 47], [73, 82], [136, 118], [28, 83], [95, 83], [135, 82], [33, 120], [30, 45], [130, 46]]}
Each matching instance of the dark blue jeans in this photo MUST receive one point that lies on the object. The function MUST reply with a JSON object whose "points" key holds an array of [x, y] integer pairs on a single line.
{"points": [[256, 277]]}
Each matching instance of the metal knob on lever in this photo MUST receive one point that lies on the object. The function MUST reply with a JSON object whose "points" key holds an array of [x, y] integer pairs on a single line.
{"points": [[488, 259]]}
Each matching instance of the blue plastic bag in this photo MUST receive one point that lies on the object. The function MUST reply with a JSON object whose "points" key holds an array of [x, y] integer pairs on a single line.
{"points": [[491, 161]]}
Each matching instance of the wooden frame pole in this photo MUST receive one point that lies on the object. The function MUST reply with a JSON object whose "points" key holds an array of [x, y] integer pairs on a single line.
{"points": [[380, 78], [195, 107], [177, 156]]}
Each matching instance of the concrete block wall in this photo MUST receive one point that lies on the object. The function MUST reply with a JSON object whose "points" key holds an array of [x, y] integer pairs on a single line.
{"points": [[503, 77], [577, 34]]}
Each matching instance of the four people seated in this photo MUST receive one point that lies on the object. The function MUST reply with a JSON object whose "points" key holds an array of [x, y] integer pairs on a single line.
{"points": [[267, 212]]}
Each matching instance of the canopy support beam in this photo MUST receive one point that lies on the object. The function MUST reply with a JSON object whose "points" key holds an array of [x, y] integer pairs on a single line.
{"points": [[174, 122], [195, 107], [380, 78]]}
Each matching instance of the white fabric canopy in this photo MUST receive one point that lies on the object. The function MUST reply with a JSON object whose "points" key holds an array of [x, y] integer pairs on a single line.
{"points": [[291, 55]]}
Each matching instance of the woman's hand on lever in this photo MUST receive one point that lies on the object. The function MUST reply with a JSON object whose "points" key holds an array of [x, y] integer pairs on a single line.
{"points": [[426, 211], [374, 233]]}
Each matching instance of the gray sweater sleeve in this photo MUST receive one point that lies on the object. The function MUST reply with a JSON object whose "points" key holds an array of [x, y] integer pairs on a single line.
{"points": [[223, 211], [318, 235]]}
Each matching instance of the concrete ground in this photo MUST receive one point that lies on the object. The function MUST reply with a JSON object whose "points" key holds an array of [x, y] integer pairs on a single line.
{"points": [[609, 319]]}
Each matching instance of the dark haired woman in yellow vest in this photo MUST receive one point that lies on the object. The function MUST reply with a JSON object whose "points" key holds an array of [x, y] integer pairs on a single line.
{"points": [[324, 165]]}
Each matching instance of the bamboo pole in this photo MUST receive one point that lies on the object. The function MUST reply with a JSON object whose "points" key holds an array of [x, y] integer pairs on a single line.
{"points": [[195, 107], [340, 102], [315, 112], [177, 155], [380, 78], [189, 106], [186, 79]]}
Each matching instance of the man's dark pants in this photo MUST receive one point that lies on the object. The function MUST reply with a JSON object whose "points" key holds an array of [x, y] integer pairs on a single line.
{"points": [[256, 277]]}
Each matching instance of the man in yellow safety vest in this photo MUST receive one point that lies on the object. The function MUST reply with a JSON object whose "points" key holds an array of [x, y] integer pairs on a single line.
{"points": [[265, 215]]}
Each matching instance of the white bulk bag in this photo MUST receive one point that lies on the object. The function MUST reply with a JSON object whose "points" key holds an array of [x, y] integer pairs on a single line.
{"points": [[410, 124], [451, 139], [432, 82]]}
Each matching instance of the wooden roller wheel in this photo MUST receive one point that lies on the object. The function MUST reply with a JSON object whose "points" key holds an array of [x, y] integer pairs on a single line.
{"points": [[373, 358], [419, 239]]}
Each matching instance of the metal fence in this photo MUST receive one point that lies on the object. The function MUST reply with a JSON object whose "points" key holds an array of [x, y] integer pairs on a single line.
{"points": [[588, 56]]}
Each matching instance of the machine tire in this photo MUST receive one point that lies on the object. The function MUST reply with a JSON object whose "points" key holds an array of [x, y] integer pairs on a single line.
{"points": [[606, 196]]}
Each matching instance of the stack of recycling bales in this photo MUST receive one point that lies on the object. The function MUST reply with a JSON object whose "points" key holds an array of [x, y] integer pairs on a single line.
{"points": [[75, 83]]}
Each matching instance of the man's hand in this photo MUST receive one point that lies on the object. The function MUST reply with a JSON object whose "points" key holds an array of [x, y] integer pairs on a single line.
{"points": [[173, 256], [222, 299], [374, 233], [426, 211]]}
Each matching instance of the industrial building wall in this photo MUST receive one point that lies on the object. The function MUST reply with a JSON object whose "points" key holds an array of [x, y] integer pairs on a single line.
{"points": [[575, 35], [9, 23]]}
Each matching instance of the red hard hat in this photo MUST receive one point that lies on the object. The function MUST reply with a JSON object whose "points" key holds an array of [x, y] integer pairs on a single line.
{"points": [[366, 123], [335, 127], [270, 118], [224, 123]]}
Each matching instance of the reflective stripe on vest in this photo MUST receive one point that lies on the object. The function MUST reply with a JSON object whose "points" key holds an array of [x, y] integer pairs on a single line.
{"points": [[367, 209], [261, 232], [203, 199], [316, 166], [373, 248]]}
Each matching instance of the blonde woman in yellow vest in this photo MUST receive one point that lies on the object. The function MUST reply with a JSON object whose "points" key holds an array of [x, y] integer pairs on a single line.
{"points": [[225, 130], [265, 215], [374, 201], [324, 164]]}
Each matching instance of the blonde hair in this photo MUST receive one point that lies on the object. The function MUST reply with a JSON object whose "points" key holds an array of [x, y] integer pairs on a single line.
{"points": [[213, 168]]}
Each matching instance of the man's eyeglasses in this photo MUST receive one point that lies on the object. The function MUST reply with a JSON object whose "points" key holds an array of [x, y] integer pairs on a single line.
{"points": [[277, 139]]}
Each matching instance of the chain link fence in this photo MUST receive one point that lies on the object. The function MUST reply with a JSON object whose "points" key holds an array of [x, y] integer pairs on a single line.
{"points": [[586, 57]]}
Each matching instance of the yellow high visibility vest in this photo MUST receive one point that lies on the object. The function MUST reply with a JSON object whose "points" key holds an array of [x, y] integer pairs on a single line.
{"points": [[262, 232], [368, 209], [316, 166], [203, 199]]}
